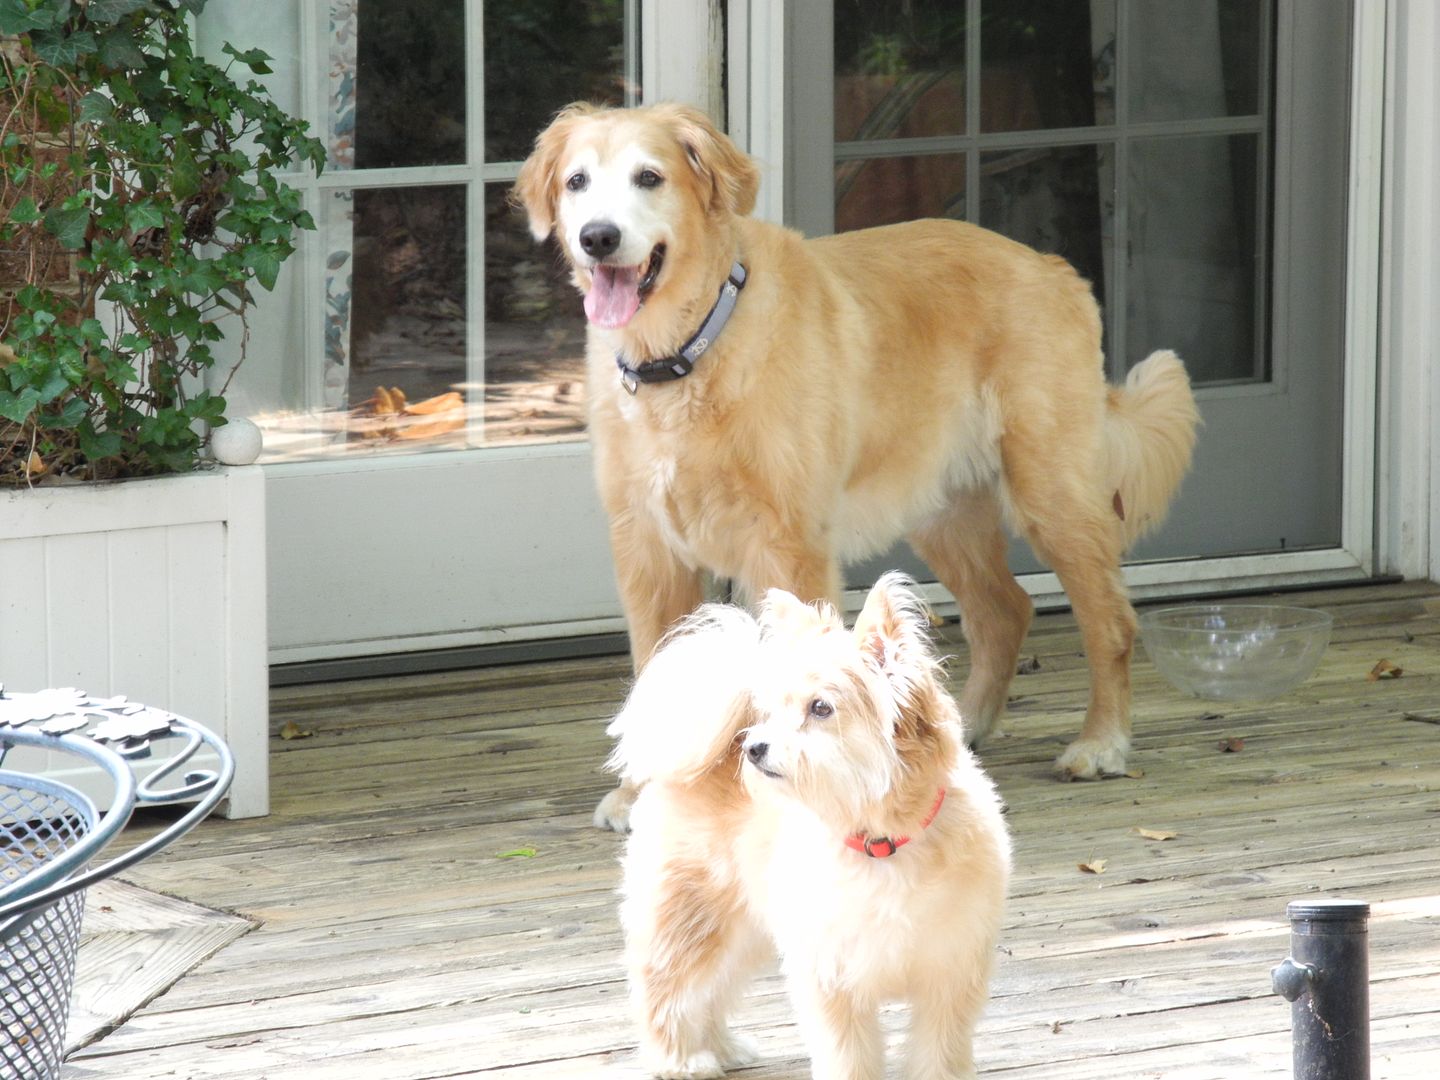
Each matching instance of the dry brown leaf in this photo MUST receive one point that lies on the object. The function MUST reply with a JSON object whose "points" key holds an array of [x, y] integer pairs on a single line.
{"points": [[437, 404], [1135, 774], [1156, 834], [292, 730], [36, 465], [1028, 666], [1230, 746], [1094, 866], [1384, 669]]}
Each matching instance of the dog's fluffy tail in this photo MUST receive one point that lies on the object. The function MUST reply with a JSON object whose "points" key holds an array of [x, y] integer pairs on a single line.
{"points": [[691, 700], [1149, 436]]}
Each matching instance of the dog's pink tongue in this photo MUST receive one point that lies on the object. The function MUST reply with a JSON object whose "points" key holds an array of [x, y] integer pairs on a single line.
{"points": [[614, 296]]}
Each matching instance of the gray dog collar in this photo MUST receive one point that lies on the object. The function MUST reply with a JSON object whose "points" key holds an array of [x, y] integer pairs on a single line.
{"points": [[683, 362]]}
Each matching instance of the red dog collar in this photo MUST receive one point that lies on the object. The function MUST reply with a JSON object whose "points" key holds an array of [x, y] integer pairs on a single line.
{"points": [[882, 847]]}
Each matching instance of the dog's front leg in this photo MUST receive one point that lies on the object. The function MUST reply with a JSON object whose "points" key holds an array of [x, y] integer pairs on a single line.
{"points": [[841, 1032], [656, 591]]}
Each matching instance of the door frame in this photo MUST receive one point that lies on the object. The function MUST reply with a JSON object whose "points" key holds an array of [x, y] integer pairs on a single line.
{"points": [[762, 43]]}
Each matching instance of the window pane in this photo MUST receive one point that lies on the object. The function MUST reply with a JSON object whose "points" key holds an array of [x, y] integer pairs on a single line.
{"points": [[1192, 59], [899, 69], [1194, 260], [882, 191], [397, 83], [541, 55], [534, 333], [1060, 200], [1046, 65], [394, 364]]}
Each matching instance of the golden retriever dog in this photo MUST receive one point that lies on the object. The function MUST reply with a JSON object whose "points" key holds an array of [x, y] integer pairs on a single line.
{"points": [[807, 791], [929, 380]]}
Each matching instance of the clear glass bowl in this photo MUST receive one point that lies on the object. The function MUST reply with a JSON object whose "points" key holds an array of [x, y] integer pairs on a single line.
{"points": [[1235, 652]]}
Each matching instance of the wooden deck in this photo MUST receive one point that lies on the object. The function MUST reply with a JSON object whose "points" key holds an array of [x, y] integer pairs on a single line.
{"points": [[405, 932]]}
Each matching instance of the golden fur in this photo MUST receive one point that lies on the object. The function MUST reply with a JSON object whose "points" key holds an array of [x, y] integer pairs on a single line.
{"points": [[930, 380], [737, 849]]}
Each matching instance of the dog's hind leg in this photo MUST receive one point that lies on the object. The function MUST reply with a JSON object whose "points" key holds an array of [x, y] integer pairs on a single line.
{"points": [[1074, 530], [691, 949], [965, 547]]}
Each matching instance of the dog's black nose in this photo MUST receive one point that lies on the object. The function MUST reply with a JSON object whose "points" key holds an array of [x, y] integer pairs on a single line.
{"points": [[599, 239], [756, 752]]}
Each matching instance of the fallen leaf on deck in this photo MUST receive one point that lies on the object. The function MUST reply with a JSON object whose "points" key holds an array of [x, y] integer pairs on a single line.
{"points": [[1094, 866], [517, 853], [1384, 669], [1135, 774], [1156, 834], [292, 730], [1230, 746], [1028, 666], [1055, 1028], [1420, 719], [1212, 716]]}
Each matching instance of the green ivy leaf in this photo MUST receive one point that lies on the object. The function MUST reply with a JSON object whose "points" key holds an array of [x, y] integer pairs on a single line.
{"points": [[109, 12], [118, 50], [95, 106], [18, 407], [184, 175], [63, 50], [68, 226], [17, 18], [266, 266], [25, 211], [144, 215]]}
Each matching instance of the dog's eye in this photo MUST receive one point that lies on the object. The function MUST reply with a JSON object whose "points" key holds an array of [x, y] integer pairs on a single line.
{"points": [[821, 709], [649, 178], [577, 181]]}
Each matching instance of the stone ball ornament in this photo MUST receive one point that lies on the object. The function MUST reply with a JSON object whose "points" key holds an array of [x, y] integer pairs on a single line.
{"points": [[236, 443]]}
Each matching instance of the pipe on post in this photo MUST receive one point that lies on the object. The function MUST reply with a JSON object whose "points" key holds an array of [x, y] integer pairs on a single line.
{"points": [[1326, 978]]}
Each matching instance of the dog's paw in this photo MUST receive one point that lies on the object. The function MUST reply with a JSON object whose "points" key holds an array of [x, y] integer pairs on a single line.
{"points": [[1092, 759], [737, 1051], [613, 813], [702, 1065]]}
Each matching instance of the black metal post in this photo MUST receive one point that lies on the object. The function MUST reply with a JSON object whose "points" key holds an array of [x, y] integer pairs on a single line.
{"points": [[1326, 979]]}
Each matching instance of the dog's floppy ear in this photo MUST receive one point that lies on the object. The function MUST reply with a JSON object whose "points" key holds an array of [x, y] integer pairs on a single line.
{"points": [[894, 626], [731, 174], [691, 700], [538, 186]]}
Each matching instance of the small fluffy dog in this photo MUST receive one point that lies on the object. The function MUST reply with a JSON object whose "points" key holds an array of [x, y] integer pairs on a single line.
{"points": [[766, 407], [807, 789]]}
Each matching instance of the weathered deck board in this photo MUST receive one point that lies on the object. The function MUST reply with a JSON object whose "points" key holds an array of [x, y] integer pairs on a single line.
{"points": [[395, 944]]}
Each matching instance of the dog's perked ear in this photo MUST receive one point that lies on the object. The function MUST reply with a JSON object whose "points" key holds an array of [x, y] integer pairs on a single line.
{"points": [[732, 175], [537, 188], [781, 611], [893, 628]]}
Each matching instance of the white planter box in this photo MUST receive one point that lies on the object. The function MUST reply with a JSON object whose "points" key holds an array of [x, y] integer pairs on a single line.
{"points": [[154, 589]]}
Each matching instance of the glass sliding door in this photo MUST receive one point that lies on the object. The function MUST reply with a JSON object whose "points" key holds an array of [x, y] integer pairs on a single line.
{"points": [[418, 373], [1187, 156]]}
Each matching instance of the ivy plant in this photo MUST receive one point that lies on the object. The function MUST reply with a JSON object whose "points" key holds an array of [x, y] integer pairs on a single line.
{"points": [[143, 195]]}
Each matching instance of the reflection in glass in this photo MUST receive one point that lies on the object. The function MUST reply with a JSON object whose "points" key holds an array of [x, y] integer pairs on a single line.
{"points": [[899, 69], [1046, 64], [396, 83], [534, 333], [394, 372], [1193, 59], [1194, 254], [541, 55], [883, 191], [1059, 200]]}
